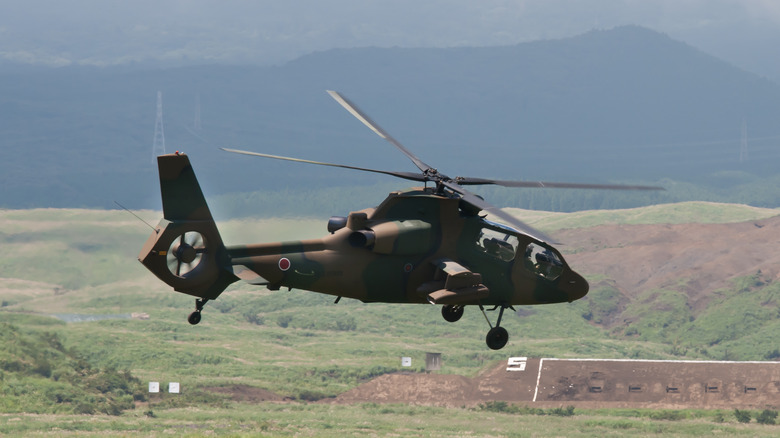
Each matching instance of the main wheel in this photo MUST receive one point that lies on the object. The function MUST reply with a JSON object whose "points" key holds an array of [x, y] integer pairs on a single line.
{"points": [[194, 317], [451, 313], [497, 338]]}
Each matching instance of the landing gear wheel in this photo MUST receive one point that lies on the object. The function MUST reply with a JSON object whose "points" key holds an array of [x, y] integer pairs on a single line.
{"points": [[194, 317], [496, 338], [451, 313]]}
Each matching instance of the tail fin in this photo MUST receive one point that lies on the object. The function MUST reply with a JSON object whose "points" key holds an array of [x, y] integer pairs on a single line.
{"points": [[186, 250]]}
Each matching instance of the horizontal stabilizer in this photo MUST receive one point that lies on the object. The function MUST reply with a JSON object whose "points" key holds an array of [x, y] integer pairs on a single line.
{"points": [[249, 275]]}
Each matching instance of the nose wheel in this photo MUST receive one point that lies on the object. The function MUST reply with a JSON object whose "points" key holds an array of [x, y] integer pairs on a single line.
{"points": [[194, 317], [497, 337]]}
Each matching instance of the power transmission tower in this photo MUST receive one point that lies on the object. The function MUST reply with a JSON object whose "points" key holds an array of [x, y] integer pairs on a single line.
{"points": [[743, 147], [158, 148], [196, 123]]}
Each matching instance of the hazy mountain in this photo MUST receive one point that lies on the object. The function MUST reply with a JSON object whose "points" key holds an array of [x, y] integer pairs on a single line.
{"points": [[265, 32], [623, 104]]}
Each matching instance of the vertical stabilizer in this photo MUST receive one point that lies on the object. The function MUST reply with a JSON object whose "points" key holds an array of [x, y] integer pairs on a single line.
{"points": [[182, 197]]}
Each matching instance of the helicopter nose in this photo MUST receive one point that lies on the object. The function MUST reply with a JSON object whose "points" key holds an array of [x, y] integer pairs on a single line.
{"points": [[575, 286]]}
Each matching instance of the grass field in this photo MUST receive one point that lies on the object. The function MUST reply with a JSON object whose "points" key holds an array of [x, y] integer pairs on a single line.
{"points": [[326, 420], [294, 343]]}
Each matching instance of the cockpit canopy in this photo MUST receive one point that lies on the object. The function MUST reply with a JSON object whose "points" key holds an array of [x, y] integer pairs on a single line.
{"points": [[498, 244], [503, 245], [542, 261]]}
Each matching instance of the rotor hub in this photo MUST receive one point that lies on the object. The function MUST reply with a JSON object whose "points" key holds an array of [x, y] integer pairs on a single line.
{"points": [[186, 253]]}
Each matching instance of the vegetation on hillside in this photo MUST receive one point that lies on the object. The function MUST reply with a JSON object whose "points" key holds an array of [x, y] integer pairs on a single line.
{"points": [[38, 374], [298, 344]]}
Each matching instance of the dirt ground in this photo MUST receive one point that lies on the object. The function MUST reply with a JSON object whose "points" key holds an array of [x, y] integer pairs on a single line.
{"points": [[644, 257], [586, 384]]}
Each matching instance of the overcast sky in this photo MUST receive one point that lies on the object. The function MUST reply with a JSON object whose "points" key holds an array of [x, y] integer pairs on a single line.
{"points": [[173, 32]]}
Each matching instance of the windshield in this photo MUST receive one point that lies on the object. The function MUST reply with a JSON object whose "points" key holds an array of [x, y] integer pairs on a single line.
{"points": [[497, 244], [542, 262]]}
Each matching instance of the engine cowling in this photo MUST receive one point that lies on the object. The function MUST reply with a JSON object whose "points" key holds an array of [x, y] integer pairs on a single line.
{"points": [[394, 237]]}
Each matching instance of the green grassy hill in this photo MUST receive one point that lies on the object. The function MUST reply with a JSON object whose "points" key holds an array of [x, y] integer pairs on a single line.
{"points": [[299, 344], [679, 213]]}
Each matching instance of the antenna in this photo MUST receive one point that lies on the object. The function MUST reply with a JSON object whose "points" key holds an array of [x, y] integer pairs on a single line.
{"points": [[196, 122], [158, 148], [743, 147]]}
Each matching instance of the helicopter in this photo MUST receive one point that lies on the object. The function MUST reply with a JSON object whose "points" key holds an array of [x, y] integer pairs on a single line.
{"points": [[428, 245]]}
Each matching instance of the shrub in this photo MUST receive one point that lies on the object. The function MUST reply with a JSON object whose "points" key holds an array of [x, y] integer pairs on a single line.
{"points": [[495, 406], [284, 320], [254, 318], [772, 355], [668, 415], [568, 411], [84, 408], [224, 305], [347, 324], [742, 416], [766, 417], [506, 408], [311, 396]]}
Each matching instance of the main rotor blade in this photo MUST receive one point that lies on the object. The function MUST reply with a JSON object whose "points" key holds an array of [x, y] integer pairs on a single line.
{"points": [[360, 115], [405, 175], [467, 181], [476, 201]]}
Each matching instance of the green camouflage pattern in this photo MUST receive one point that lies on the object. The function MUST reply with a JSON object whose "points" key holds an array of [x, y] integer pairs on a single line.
{"points": [[424, 245], [417, 246]]}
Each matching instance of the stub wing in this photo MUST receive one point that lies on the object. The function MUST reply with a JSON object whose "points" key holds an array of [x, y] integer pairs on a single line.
{"points": [[249, 276], [453, 284]]}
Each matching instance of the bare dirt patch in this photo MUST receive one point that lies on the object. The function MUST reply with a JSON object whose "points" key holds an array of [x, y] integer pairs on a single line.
{"points": [[246, 393], [587, 384], [699, 259]]}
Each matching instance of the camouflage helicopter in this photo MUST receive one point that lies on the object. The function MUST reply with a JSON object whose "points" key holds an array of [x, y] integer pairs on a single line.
{"points": [[431, 244]]}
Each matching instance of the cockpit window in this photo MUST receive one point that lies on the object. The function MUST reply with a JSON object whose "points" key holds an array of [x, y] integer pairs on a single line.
{"points": [[542, 262], [497, 244]]}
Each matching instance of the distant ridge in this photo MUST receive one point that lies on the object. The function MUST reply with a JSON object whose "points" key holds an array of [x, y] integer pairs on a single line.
{"points": [[621, 104]]}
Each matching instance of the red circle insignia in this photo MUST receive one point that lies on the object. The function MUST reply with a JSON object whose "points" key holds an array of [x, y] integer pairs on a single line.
{"points": [[408, 267], [284, 263]]}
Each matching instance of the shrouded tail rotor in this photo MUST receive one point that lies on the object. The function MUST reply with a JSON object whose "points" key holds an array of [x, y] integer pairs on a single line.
{"points": [[186, 253], [186, 250]]}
